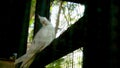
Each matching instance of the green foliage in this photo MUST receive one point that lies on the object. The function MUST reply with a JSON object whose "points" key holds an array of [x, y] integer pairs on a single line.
{"points": [[32, 18], [56, 64], [30, 36], [33, 4]]}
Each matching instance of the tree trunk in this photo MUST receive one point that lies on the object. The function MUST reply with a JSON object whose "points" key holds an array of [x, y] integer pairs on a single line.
{"points": [[58, 17]]}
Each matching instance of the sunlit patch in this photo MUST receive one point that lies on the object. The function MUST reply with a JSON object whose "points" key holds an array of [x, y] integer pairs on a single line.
{"points": [[68, 13]]}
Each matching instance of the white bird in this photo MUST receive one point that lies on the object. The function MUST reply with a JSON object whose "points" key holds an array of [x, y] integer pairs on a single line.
{"points": [[41, 40]]}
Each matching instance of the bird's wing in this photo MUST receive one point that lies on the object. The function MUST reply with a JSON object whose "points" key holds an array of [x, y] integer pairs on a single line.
{"points": [[42, 39], [39, 43]]}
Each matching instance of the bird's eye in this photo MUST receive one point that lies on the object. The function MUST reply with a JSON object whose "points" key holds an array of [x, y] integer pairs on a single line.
{"points": [[44, 23]]}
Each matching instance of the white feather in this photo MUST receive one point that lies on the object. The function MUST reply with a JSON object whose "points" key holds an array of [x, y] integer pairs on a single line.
{"points": [[41, 40]]}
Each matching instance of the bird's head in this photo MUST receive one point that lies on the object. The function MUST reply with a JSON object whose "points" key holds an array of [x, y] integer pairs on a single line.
{"points": [[44, 21]]}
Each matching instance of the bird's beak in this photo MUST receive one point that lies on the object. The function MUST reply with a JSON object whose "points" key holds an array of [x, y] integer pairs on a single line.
{"points": [[42, 20], [40, 17]]}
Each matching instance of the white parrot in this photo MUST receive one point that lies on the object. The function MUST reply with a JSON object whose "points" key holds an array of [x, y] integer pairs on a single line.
{"points": [[41, 40]]}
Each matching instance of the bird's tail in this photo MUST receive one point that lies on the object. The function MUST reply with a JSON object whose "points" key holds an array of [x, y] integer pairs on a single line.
{"points": [[20, 59], [27, 62]]}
